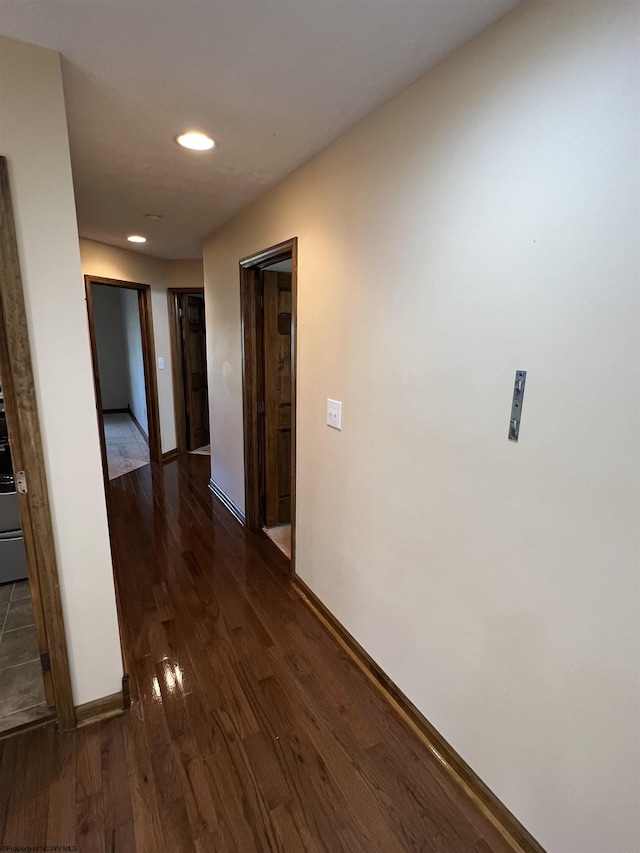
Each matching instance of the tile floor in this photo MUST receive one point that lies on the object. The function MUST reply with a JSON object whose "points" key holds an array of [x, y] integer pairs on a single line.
{"points": [[126, 447], [205, 450], [22, 697], [281, 535]]}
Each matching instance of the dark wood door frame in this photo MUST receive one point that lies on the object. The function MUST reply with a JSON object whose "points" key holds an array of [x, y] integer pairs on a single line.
{"points": [[148, 359], [177, 362], [253, 379], [26, 449]]}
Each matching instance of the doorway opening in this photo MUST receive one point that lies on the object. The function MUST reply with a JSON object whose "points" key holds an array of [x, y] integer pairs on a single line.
{"points": [[122, 348], [268, 291], [189, 367]]}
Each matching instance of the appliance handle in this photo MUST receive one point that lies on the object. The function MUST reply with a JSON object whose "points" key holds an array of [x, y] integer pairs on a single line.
{"points": [[11, 536]]}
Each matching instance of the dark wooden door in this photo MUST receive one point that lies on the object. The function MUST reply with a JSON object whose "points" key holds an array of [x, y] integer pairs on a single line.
{"points": [[277, 396], [194, 361]]}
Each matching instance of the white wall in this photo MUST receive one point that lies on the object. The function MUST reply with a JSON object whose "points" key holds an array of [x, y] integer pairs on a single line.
{"points": [[484, 221], [133, 356], [33, 136], [116, 314], [110, 347], [185, 273]]}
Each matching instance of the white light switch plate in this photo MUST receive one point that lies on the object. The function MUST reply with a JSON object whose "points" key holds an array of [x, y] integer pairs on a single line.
{"points": [[334, 414], [161, 363]]}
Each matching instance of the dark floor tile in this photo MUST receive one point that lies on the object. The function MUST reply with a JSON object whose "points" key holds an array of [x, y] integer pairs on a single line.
{"points": [[20, 614], [18, 646], [21, 590], [21, 687], [5, 591], [126, 449], [21, 718], [4, 606]]}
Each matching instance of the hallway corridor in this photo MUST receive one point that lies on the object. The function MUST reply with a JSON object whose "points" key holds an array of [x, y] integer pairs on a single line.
{"points": [[250, 729]]}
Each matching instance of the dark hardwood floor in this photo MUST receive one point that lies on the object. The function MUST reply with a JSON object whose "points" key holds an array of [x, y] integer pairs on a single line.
{"points": [[251, 729]]}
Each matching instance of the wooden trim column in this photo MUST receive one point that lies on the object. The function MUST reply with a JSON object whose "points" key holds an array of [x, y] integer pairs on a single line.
{"points": [[28, 456]]}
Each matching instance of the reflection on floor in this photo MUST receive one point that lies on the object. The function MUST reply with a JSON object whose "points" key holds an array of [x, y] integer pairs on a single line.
{"points": [[281, 535], [126, 447], [21, 689]]}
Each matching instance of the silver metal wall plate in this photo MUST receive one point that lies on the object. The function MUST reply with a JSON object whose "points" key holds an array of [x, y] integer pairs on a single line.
{"points": [[516, 405]]}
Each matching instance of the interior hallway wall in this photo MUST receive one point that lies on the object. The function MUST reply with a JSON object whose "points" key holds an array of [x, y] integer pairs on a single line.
{"points": [[110, 346], [33, 136], [484, 221], [186, 272]]}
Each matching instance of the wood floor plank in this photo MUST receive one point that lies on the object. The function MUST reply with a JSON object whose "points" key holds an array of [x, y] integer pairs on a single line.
{"points": [[358, 799], [8, 760], [61, 818], [296, 834], [243, 814], [201, 725], [197, 795], [118, 814], [324, 807], [162, 760], [144, 796], [90, 830], [30, 784], [88, 742], [176, 828], [269, 773]]}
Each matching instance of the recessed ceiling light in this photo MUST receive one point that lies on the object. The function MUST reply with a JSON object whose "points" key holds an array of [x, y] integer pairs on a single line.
{"points": [[195, 141], [136, 238], [153, 217]]}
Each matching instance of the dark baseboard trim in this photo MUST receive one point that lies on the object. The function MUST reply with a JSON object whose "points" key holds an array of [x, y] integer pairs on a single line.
{"points": [[140, 430], [116, 411], [100, 709], [506, 823], [169, 456], [226, 500]]}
